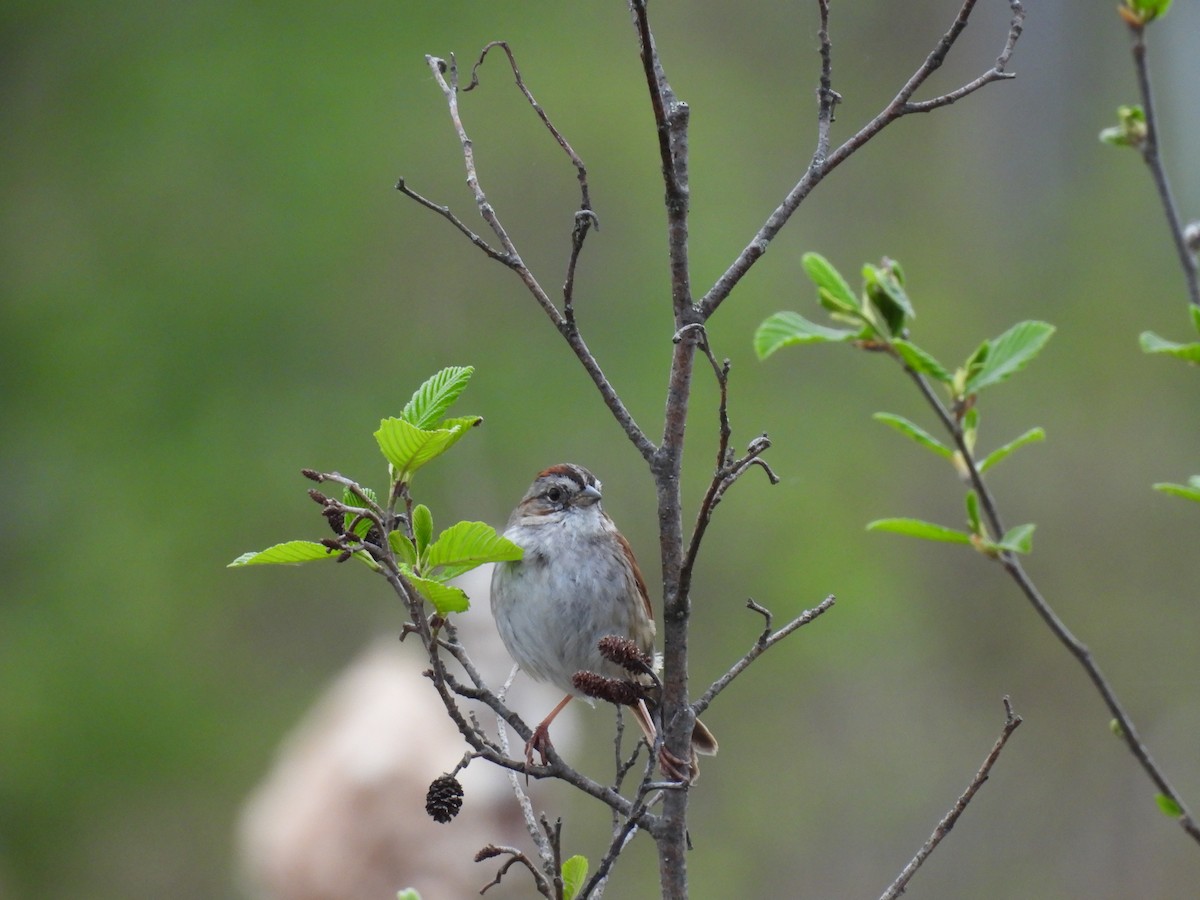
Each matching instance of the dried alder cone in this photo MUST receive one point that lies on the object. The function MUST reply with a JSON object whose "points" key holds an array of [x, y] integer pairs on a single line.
{"points": [[444, 798]]}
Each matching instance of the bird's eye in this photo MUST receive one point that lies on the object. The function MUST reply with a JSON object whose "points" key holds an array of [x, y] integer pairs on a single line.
{"points": [[555, 495]]}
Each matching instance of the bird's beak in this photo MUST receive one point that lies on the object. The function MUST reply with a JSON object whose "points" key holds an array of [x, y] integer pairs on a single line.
{"points": [[589, 495]]}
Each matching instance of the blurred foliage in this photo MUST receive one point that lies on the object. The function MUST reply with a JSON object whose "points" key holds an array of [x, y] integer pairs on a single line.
{"points": [[208, 283]]}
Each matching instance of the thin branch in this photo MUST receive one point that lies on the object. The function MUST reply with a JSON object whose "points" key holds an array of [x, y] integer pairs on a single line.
{"points": [[1011, 721], [515, 856], [523, 801], [727, 470], [445, 73], [1012, 564], [595, 885], [585, 201], [585, 218], [554, 868], [900, 106], [765, 642], [1152, 156], [827, 97], [445, 213]]}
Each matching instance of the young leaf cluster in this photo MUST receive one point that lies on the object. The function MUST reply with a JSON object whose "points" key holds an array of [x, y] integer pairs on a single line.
{"points": [[403, 542], [878, 319], [1140, 13], [1130, 130]]}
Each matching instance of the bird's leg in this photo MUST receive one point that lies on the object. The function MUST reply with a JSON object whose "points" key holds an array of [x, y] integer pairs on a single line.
{"points": [[683, 771], [540, 739]]}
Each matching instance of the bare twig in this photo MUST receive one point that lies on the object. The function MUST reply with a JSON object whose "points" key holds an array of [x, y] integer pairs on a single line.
{"points": [[901, 105], [523, 801], [896, 888], [827, 97], [765, 642], [445, 213], [445, 73], [554, 868], [1152, 155], [515, 856], [585, 201], [585, 218]]}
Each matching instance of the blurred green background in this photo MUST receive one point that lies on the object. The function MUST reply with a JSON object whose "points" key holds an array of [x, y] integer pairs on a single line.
{"points": [[208, 283]]}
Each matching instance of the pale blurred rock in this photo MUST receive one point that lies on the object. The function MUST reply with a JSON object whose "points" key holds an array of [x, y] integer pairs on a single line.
{"points": [[342, 814]]}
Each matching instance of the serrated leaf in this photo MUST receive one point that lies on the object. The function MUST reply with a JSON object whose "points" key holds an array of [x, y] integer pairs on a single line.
{"points": [[574, 873], [422, 525], [973, 512], [445, 598], [824, 275], [408, 447], [786, 328], [914, 432], [1029, 437], [1168, 806], [1010, 353], [1180, 490], [434, 397], [289, 553], [1018, 539], [403, 547], [919, 528], [1152, 343], [920, 361], [465, 545]]}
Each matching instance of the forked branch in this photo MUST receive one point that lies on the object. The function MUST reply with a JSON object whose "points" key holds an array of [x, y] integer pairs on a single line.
{"points": [[902, 104]]}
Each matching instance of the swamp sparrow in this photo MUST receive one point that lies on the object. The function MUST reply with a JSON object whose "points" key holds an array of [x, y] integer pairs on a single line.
{"points": [[577, 583]]}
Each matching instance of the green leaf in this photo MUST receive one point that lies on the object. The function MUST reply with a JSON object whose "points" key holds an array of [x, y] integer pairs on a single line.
{"points": [[1168, 806], [973, 512], [1029, 437], [920, 361], [920, 529], [403, 547], [422, 524], [574, 873], [915, 432], [408, 447], [434, 397], [408, 894], [1149, 9], [1010, 353], [1152, 343], [1018, 539], [445, 599], [465, 545], [1180, 490], [828, 279], [350, 498], [287, 554], [1194, 310], [786, 328], [887, 295]]}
